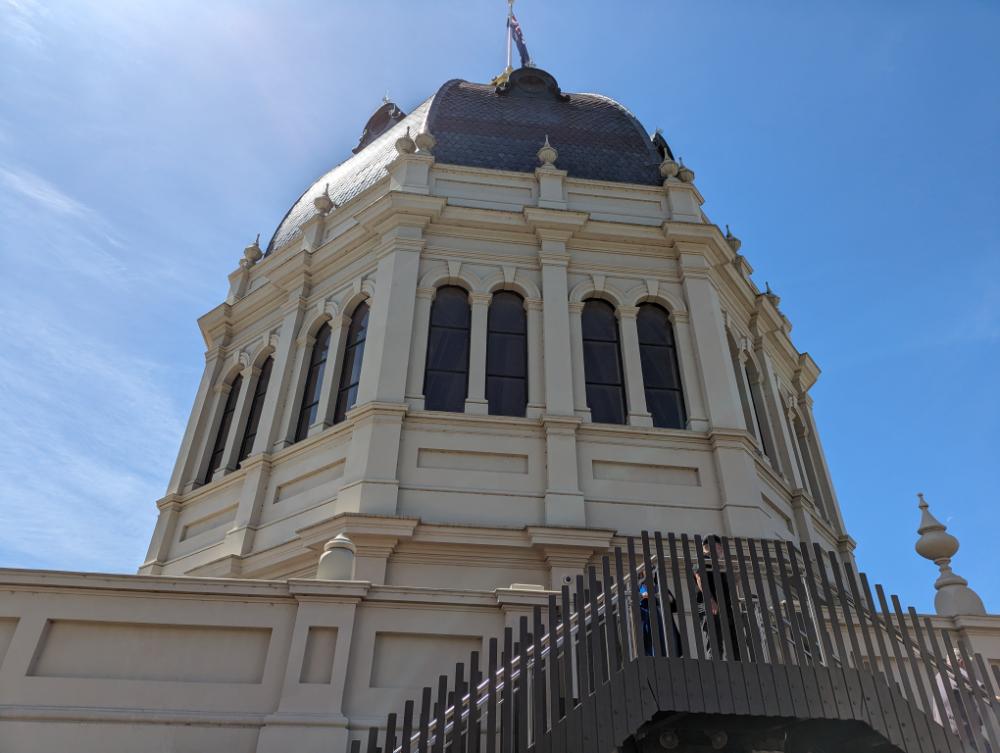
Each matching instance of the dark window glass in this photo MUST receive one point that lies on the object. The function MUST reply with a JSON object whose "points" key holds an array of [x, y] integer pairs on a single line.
{"points": [[755, 397], [507, 355], [446, 376], [314, 383], [660, 373], [602, 363], [219, 448], [253, 420], [350, 372]]}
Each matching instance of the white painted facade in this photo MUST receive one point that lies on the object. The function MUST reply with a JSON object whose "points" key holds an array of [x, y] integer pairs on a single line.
{"points": [[460, 521]]}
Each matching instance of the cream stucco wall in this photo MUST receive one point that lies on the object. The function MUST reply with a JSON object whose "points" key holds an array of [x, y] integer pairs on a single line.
{"points": [[446, 510]]}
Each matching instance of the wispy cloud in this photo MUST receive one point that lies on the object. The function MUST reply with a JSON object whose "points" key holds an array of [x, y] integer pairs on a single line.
{"points": [[21, 22], [42, 193], [89, 434]]}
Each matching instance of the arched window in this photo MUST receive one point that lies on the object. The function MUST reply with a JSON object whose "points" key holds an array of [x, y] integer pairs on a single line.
{"points": [[314, 383], [602, 363], [507, 355], [256, 406], [219, 448], [446, 379], [350, 371], [661, 375]]}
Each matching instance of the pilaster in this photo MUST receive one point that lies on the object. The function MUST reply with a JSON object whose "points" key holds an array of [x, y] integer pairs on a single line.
{"points": [[711, 350], [240, 536], [390, 324], [555, 292], [218, 395], [693, 396], [564, 503], [187, 457], [370, 481]]}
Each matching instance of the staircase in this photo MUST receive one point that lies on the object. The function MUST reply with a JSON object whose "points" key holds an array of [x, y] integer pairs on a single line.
{"points": [[796, 654]]}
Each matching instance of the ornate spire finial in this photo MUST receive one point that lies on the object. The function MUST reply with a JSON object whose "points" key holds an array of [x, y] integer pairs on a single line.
{"points": [[548, 154], [935, 543], [385, 98]]}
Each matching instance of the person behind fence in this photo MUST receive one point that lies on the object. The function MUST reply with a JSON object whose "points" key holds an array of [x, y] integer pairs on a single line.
{"points": [[677, 649], [708, 599]]}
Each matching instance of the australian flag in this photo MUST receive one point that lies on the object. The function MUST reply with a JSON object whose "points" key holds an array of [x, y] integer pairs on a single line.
{"points": [[518, 37]]}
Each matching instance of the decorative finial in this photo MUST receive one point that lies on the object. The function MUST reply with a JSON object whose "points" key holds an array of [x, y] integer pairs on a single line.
{"points": [[668, 168], [935, 543], [252, 253], [425, 142], [404, 144], [685, 173], [548, 154], [732, 240], [385, 98], [323, 202]]}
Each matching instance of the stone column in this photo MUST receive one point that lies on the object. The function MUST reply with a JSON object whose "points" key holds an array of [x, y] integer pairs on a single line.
{"points": [[580, 406], [635, 389], [536, 361], [418, 348], [331, 374], [697, 416], [188, 458], [476, 402]]}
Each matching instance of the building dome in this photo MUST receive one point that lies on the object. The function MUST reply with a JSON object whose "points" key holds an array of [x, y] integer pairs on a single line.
{"points": [[499, 128]]}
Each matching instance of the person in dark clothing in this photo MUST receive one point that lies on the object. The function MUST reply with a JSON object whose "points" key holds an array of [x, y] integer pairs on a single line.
{"points": [[709, 611], [677, 649]]}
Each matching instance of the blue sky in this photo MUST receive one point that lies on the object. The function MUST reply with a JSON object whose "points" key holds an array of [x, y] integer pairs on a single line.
{"points": [[853, 146]]}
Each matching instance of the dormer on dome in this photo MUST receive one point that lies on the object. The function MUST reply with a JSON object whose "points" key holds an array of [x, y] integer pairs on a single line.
{"points": [[532, 82], [384, 118]]}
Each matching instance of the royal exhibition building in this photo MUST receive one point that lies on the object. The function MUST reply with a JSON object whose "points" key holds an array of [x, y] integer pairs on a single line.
{"points": [[499, 449]]}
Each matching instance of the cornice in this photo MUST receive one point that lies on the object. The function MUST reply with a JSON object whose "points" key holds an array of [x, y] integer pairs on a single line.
{"points": [[397, 208]]}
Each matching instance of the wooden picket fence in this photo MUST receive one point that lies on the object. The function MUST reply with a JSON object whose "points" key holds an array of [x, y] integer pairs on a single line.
{"points": [[801, 639]]}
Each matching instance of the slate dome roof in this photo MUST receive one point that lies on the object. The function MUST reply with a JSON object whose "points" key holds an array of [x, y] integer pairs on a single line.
{"points": [[497, 127]]}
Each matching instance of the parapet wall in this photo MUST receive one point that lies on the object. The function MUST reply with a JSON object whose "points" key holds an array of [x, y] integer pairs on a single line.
{"points": [[100, 663]]}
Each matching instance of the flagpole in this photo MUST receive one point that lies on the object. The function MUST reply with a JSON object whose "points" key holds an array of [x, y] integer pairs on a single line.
{"points": [[510, 15]]}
